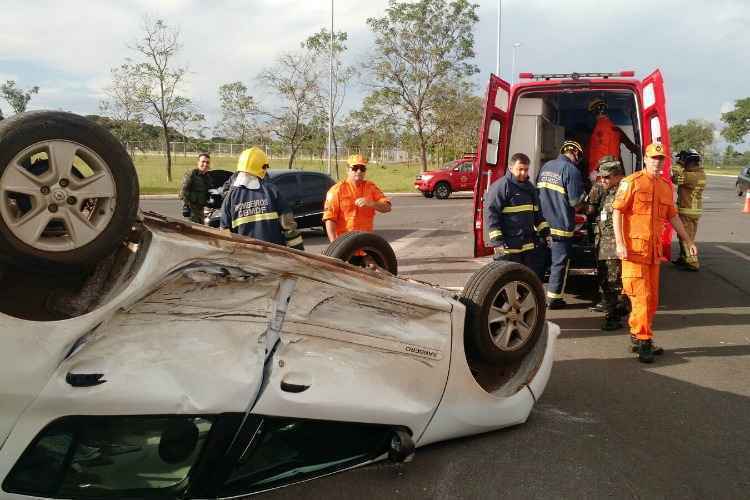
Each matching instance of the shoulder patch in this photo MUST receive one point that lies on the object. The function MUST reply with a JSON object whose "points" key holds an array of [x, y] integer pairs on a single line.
{"points": [[623, 186]]}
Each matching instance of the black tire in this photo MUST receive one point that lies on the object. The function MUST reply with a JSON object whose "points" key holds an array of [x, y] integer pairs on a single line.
{"points": [[427, 194], [48, 129], [346, 246], [487, 288], [442, 190]]}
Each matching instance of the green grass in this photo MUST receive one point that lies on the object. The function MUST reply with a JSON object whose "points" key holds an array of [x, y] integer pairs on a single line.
{"points": [[725, 170], [153, 177]]}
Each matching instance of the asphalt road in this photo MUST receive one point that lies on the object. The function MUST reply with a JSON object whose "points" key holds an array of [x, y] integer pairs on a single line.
{"points": [[607, 426]]}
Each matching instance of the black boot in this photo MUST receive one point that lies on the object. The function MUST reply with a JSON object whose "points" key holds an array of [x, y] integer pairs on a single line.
{"points": [[611, 323], [556, 304], [656, 349], [599, 307], [645, 351]]}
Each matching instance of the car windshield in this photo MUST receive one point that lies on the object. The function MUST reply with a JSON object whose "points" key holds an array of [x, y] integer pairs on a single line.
{"points": [[450, 165]]}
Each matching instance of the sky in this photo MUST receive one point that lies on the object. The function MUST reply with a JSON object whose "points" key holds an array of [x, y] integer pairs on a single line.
{"points": [[70, 47]]}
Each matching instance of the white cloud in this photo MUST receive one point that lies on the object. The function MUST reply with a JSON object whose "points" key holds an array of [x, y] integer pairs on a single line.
{"points": [[701, 49]]}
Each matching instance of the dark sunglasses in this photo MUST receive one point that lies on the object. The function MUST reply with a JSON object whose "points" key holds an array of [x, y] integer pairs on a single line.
{"points": [[361, 168]]}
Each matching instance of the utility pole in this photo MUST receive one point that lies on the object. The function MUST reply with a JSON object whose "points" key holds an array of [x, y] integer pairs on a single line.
{"points": [[330, 102], [499, 12], [513, 77]]}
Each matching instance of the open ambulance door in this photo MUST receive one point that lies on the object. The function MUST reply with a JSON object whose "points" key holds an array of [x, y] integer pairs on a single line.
{"points": [[656, 129], [492, 152]]}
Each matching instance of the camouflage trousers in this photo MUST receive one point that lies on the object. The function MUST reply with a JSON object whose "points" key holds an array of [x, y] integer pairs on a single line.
{"points": [[610, 284]]}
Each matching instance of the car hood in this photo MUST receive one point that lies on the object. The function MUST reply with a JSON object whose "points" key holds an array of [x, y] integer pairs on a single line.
{"points": [[189, 331]]}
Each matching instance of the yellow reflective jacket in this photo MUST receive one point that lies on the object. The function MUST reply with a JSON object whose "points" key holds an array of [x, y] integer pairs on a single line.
{"points": [[690, 185]]}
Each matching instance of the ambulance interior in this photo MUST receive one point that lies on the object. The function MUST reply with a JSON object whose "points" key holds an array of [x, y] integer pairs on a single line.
{"points": [[542, 120]]}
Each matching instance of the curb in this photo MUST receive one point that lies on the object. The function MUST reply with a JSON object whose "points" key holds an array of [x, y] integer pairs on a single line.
{"points": [[174, 196]]}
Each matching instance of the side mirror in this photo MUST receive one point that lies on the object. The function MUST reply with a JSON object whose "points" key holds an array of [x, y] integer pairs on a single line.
{"points": [[402, 447]]}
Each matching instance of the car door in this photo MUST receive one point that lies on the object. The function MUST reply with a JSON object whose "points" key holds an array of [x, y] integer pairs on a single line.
{"points": [[655, 128], [492, 151], [313, 189], [466, 177], [288, 185]]}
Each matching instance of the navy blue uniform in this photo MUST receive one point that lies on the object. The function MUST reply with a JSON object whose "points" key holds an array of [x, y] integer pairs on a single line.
{"points": [[560, 189], [515, 222], [255, 212]]}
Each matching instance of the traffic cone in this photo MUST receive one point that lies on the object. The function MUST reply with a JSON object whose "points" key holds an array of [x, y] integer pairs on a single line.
{"points": [[746, 210]]}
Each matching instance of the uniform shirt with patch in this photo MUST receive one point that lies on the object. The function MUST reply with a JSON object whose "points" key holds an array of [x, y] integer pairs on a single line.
{"points": [[646, 205], [255, 212], [340, 207], [560, 189]]}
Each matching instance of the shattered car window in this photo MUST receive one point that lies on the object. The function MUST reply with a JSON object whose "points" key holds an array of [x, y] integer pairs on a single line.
{"points": [[110, 457], [290, 450]]}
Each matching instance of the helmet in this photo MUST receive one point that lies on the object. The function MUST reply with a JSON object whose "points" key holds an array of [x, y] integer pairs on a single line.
{"points": [[687, 155], [597, 104], [252, 161], [356, 160], [568, 146]]}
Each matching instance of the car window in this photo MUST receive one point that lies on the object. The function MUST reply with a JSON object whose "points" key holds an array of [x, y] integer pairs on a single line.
{"points": [[287, 184], [315, 185], [110, 457], [286, 451], [466, 167]]}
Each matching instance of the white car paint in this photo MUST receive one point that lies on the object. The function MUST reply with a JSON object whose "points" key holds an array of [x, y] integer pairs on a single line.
{"points": [[195, 330]]}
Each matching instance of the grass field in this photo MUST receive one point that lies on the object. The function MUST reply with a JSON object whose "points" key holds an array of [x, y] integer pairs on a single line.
{"points": [[395, 178], [153, 178]]}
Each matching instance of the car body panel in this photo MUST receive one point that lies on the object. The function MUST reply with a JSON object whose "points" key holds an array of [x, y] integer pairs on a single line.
{"points": [[210, 323]]}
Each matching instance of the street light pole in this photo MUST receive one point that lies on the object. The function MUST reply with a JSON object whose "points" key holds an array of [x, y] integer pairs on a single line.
{"points": [[330, 101], [499, 12], [513, 77]]}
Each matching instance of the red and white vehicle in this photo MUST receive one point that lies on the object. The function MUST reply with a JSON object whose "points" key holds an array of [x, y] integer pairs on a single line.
{"points": [[456, 175], [537, 114]]}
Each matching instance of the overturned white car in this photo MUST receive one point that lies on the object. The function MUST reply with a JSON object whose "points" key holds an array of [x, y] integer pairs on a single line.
{"points": [[173, 361]]}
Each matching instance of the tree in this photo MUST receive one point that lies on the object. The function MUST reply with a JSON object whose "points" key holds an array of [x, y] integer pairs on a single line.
{"points": [[294, 80], [17, 98], [737, 121], [122, 104], [457, 120], [419, 48], [239, 113], [697, 134], [334, 76], [158, 81]]}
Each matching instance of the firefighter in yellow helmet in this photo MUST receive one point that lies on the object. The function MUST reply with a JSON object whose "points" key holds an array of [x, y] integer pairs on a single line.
{"points": [[690, 179], [254, 207]]}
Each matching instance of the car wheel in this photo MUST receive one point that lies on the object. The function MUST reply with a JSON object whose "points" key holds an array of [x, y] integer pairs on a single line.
{"points": [[427, 194], [442, 190], [505, 311], [350, 246], [68, 190]]}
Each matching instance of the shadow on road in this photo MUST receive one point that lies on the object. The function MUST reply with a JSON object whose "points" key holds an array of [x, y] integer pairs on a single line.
{"points": [[604, 428]]}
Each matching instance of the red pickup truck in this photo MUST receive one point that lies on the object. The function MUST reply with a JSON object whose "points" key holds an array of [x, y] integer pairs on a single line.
{"points": [[456, 175]]}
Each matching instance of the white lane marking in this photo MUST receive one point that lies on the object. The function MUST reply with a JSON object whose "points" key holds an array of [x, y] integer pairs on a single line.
{"points": [[735, 252], [723, 175]]}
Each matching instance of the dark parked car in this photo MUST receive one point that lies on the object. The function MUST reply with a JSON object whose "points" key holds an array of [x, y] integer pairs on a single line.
{"points": [[304, 191], [743, 181]]}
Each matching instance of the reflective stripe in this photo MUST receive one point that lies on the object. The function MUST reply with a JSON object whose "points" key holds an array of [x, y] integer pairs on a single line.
{"points": [[495, 234], [519, 208], [690, 211], [525, 247], [255, 218], [561, 232], [553, 295], [543, 225], [553, 187], [294, 242]]}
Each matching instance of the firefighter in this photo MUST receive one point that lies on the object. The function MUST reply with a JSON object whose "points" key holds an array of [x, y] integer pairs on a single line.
{"points": [[255, 208], [605, 138], [690, 179], [609, 274], [642, 205], [560, 191], [351, 204], [517, 229]]}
